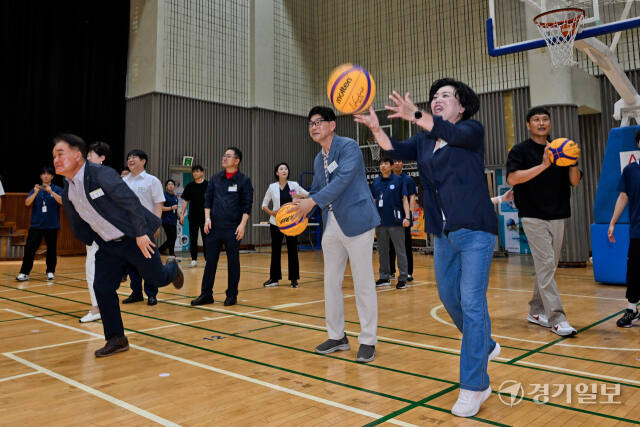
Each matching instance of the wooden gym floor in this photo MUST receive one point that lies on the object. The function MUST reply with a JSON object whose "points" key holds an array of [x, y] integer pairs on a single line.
{"points": [[253, 364]]}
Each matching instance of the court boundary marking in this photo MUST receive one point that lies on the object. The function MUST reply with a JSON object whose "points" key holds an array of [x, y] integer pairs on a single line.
{"points": [[335, 382], [560, 371]]}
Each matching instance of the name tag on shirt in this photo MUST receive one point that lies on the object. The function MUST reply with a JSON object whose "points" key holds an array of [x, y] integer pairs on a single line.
{"points": [[380, 203], [233, 188], [333, 166], [96, 193], [44, 208]]}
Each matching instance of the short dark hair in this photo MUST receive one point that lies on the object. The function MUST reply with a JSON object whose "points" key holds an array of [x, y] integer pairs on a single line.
{"points": [[74, 141], [275, 170], [325, 112], [197, 168], [466, 96], [385, 159], [101, 149], [637, 137], [537, 110], [236, 151], [48, 170], [139, 154], [168, 181]]}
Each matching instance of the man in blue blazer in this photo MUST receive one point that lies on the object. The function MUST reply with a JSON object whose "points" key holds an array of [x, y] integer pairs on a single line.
{"points": [[100, 207], [349, 218]]}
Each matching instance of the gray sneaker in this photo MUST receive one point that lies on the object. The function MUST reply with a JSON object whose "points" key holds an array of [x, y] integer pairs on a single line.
{"points": [[329, 346], [366, 353]]}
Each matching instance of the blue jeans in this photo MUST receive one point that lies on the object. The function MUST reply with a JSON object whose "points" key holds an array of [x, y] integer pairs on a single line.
{"points": [[462, 260]]}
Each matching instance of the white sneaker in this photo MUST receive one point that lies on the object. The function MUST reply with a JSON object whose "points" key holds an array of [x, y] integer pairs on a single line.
{"points": [[50, 276], [22, 277], [469, 402], [495, 352], [564, 329], [90, 317], [194, 263], [539, 319]]}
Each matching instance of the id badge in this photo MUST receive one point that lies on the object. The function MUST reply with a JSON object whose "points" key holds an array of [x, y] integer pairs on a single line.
{"points": [[380, 203], [233, 188], [333, 166], [44, 208]]}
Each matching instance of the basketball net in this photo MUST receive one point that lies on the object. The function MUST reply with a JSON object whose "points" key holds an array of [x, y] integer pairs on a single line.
{"points": [[559, 29], [375, 151]]}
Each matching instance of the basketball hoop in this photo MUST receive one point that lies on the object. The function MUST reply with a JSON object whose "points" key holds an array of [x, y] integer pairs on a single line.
{"points": [[375, 151], [559, 29]]}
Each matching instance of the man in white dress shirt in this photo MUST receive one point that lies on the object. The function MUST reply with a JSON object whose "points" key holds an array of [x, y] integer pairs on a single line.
{"points": [[149, 190]]}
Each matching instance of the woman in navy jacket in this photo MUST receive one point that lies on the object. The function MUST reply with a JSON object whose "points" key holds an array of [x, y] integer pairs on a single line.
{"points": [[459, 212]]}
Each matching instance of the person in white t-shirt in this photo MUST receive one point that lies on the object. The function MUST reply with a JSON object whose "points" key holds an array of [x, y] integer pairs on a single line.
{"points": [[149, 190]]}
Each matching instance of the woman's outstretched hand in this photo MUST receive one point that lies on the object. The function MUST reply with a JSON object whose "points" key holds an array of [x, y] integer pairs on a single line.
{"points": [[404, 108]]}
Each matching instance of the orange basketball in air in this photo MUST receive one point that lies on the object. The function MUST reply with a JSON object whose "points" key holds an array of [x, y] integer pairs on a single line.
{"points": [[286, 220], [351, 89]]}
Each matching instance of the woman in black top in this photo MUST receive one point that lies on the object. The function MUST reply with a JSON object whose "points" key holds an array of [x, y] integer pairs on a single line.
{"points": [[169, 217]]}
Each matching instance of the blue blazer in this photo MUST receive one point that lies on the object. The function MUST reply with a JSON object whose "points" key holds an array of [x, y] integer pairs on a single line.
{"points": [[119, 205], [348, 191]]}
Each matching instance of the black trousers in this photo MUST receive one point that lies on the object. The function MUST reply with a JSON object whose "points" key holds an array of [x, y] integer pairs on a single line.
{"points": [[633, 271], [215, 239], [196, 224], [276, 251], [33, 242], [136, 283], [407, 247], [111, 259], [171, 230]]}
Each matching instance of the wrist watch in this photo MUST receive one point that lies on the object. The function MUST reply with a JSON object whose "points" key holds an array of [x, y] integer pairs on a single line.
{"points": [[417, 115]]}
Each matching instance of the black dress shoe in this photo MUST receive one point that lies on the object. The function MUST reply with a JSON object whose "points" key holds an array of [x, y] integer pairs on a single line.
{"points": [[114, 345], [294, 283], [202, 300], [152, 301], [133, 298], [178, 281], [230, 301]]}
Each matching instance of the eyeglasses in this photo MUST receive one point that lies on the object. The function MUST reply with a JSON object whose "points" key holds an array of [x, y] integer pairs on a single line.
{"points": [[228, 156], [317, 122]]}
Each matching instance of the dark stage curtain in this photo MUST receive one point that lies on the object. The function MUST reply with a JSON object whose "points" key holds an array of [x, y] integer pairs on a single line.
{"points": [[64, 69]]}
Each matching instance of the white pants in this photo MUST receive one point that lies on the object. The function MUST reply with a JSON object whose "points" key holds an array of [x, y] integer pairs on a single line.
{"points": [[90, 269], [336, 249]]}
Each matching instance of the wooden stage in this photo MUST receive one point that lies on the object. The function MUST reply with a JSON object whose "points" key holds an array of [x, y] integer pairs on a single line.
{"points": [[253, 363]]}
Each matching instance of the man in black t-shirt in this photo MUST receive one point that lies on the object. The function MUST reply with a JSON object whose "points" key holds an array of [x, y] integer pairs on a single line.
{"points": [[542, 194], [193, 195]]}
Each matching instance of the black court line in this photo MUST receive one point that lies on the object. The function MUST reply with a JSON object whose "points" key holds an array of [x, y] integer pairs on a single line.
{"points": [[343, 359]]}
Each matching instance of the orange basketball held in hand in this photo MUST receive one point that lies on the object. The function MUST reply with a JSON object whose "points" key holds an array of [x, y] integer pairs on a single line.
{"points": [[563, 152], [351, 89], [287, 222]]}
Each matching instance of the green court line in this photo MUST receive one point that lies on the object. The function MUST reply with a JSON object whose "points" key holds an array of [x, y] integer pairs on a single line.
{"points": [[534, 351], [316, 330], [589, 360], [257, 362], [337, 358], [584, 411], [260, 329]]}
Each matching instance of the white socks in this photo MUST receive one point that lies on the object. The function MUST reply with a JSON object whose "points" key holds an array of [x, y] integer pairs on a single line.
{"points": [[632, 307]]}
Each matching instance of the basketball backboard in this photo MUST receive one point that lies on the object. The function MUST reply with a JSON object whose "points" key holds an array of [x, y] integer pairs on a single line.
{"points": [[510, 27]]}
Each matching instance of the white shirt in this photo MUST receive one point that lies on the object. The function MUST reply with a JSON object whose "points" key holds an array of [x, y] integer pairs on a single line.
{"points": [[78, 198], [147, 187], [273, 195]]}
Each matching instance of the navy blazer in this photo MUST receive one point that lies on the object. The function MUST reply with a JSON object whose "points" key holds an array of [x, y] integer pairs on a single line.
{"points": [[453, 180], [119, 205], [348, 190]]}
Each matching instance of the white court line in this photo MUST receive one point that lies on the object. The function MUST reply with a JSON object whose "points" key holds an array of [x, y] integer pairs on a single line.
{"points": [[434, 314], [572, 371], [564, 295], [199, 365], [24, 287], [19, 376], [115, 401], [54, 345], [204, 319]]}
